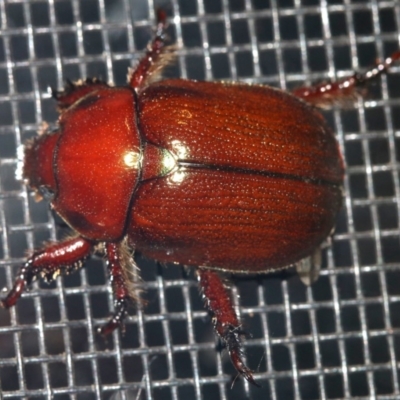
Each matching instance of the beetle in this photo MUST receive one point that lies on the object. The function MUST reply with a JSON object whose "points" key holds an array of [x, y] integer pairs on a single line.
{"points": [[219, 176]]}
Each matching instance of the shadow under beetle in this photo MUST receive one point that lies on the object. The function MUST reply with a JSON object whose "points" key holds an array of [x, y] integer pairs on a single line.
{"points": [[219, 176]]}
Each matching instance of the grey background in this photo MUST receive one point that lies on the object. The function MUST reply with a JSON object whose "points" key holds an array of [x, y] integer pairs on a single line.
{"points": [[339, 338]]}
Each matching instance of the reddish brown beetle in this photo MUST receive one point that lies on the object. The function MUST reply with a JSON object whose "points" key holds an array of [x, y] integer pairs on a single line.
{"points": [[230, 177]]}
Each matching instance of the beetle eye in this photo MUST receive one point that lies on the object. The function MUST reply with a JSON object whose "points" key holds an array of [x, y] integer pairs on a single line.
{"points": [[46, 192]]}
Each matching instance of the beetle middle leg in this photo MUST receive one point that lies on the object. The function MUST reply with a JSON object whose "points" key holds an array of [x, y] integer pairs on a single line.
{"points": [[225, 321], [120, 285], [49, 262], [327, 93]]}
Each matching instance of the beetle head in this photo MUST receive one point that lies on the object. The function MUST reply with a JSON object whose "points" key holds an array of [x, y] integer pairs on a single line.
{"points": [[38, 165]]}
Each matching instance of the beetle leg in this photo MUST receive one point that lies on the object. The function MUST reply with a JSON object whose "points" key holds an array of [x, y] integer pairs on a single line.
{"points": [[115, 264], [48, 263], [325, 94], [74, 91], [155, 59], [225, 321]]}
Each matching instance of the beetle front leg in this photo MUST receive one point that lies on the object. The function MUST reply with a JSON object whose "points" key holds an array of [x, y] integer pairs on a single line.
{"points": [[155, 59], [324, 94], [225, 321], [115, 264], [49, 262]]}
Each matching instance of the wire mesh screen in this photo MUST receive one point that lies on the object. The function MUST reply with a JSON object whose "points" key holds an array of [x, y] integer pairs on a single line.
{"points": [[339, 338]]}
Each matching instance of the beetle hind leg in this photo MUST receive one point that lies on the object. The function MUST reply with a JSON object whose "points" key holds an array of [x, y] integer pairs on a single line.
{"points": [[48, 263], [328, 93], [225, 321]]}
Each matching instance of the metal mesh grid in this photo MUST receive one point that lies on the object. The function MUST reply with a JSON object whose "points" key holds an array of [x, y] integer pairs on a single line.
{"points": [[339, 338]]}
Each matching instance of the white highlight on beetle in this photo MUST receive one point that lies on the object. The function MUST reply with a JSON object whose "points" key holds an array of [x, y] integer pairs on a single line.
{"points": [[177, 177], [168, 161], [132, 159], [181, 152], [180, 149]]}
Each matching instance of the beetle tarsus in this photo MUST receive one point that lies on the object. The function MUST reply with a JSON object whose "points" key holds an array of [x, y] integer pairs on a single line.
{"points": [[117, 320], [155, 59], [231, 337], [161, 21], [225, 321], [327, 93], [49, 262], [116, 265], [24, 279]]}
